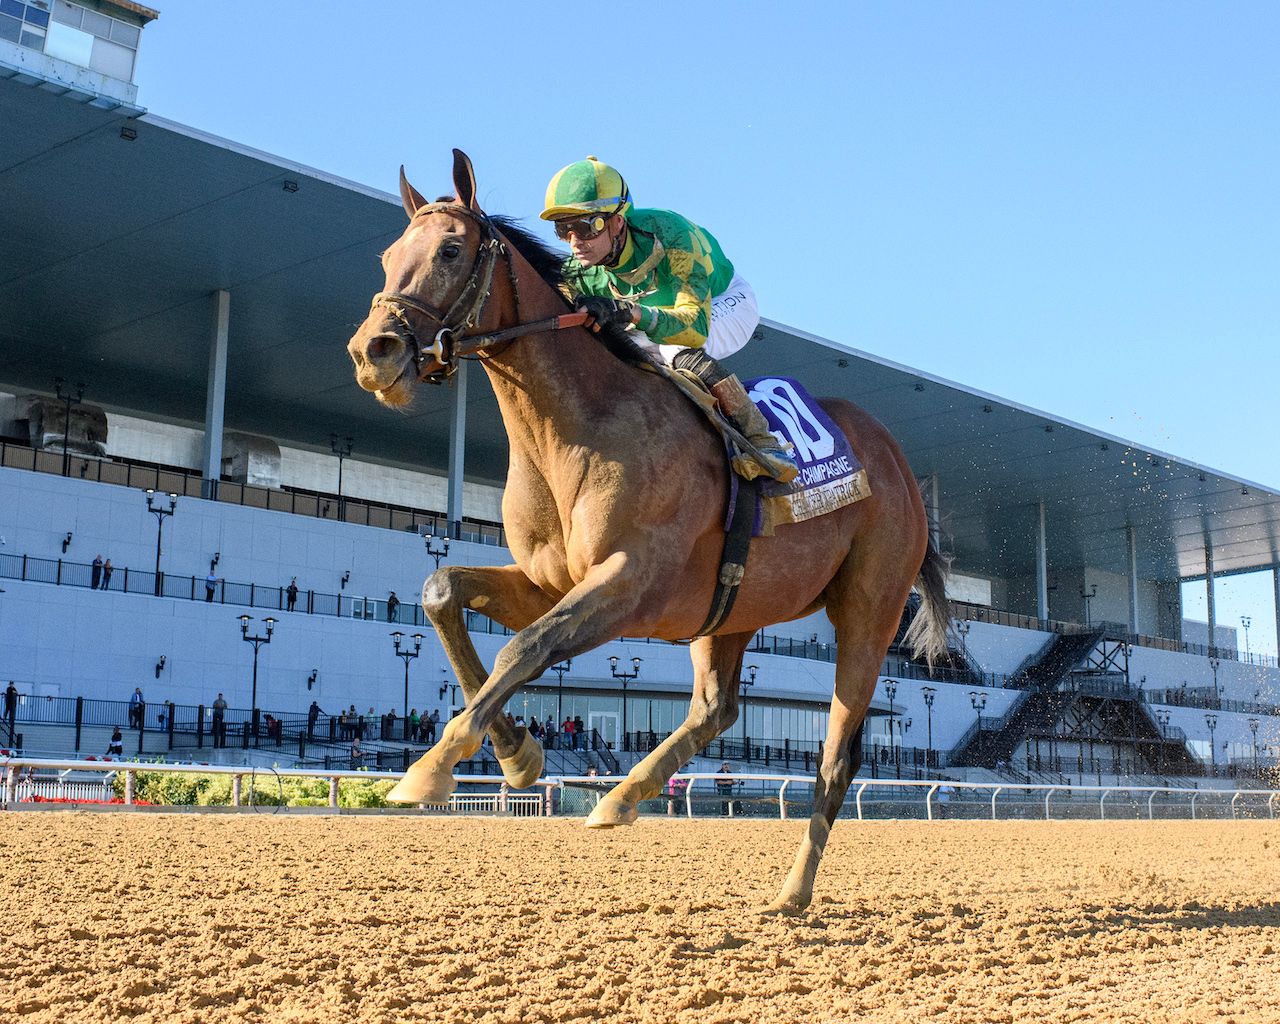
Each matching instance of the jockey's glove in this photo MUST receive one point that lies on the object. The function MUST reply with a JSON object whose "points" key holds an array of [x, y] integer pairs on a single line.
{"points": [[602, 311]]}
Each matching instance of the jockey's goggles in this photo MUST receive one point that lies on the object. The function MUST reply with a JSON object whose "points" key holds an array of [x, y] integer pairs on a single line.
{"points": [[585, 228]]}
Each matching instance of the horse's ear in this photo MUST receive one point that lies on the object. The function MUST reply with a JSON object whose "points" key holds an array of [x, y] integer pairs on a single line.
{"points": [[409, 195], [464, 180]]}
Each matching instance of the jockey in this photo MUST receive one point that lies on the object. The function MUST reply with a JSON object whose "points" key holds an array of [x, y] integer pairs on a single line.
{"points": [[666, 281]]}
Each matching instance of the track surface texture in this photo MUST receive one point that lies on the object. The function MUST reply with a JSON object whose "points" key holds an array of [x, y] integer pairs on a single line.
{"points": [[209, 918]]}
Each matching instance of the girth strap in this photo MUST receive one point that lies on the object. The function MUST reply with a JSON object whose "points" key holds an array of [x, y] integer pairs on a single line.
{"points": [[733, 559]]}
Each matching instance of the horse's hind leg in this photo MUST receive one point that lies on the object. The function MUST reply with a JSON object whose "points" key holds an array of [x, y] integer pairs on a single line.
{"points": [[505, 595], [865, 603], [717, 666]]}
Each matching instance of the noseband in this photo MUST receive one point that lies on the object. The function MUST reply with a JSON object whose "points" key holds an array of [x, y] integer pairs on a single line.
{"points": [[450, 342]]}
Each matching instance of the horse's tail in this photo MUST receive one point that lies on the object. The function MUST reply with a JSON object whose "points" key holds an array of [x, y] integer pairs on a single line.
{"points": [[927, 634]]}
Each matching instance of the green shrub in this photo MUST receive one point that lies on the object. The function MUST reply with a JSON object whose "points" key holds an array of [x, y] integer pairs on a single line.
{"points": [[174, 789]]}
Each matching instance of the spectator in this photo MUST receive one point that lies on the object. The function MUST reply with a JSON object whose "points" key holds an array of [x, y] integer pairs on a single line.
{"points": [[11, 707], [535, 730], [549, 733], [106, 574], [116, 747], [210, 586], [95, 574], [390, 720], [357, 755], [291, 594], [519, 723], [566, 728], [137, 708], [220, 721], [676, 790], [313, 714], [393, 607], [413, 726], [724, 786], [592, 772], [429, 727], [580, 737]]}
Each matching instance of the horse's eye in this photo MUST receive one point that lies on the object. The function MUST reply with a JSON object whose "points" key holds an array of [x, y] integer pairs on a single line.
{"points": [[451, 252]]}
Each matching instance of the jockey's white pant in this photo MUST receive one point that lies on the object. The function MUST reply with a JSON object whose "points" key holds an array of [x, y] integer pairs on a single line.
{"points": [[734, 318]]}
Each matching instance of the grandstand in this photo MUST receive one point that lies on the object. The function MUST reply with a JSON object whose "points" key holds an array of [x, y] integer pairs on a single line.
{"points": [[202, 293]]}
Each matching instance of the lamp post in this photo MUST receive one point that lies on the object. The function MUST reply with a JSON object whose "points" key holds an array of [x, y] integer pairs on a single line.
{"points": [[1162, 716], [258, 643], [979, 701], [342, 451], [890, 691], [1246, 621], [962, 630], [1253, 728], [744, 683], [625, 677], [929, 693], [1088, 596], [1212, 722], [408, 656], [68, 401], [159, 511], [560, 669], [437, 552], [1213, 664]]}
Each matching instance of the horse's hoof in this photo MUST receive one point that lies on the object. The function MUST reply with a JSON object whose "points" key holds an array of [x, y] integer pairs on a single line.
{"points": [[783, 907], [611, 813], [423, 789], [523, 768]]}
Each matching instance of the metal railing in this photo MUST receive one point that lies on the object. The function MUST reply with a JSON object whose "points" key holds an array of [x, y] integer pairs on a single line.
{"points": [[189, 483], [930, 799]]}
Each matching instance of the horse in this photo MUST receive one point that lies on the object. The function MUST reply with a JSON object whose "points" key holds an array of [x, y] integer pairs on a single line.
{"points": [[614, 509]]}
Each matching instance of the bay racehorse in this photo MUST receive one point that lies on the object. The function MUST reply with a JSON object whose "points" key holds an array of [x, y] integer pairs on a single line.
{"points": [[614, 508]]}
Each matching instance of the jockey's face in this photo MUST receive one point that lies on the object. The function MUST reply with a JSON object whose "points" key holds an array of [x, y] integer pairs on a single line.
{"points": [[591, 251]]}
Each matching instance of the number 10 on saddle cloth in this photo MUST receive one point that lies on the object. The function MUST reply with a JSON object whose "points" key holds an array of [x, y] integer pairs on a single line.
{"points": [[830, 474]]}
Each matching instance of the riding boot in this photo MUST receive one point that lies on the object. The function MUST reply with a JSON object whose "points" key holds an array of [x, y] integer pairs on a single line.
{"points": [[775, 458]]}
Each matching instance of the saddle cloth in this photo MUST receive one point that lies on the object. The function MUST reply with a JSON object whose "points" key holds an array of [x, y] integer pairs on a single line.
{"points": [[830, 474]]}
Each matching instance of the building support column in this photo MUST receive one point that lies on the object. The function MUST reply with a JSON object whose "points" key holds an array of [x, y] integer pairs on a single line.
{"points": [[933, 508], [1132, 536], [1275, 589], [215, 396], [1042, 563], [1208, 592], [457, 448]]}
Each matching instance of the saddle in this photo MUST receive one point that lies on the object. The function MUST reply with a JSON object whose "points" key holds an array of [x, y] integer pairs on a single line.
{"points": [[830, 477]]}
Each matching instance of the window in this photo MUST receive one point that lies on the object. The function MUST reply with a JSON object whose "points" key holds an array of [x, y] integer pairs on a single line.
{"points": [[72, 33]]}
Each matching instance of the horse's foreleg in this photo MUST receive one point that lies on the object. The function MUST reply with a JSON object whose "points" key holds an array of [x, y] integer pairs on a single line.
{"points": [[592, 613], [717, 666], [505, 595]]}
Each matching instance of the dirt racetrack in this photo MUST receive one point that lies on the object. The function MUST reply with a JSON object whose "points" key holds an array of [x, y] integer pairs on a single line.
{"points": [[254, 917]]}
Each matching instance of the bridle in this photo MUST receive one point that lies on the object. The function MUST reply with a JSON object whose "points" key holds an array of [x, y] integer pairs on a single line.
{"points": [[450, 341]]}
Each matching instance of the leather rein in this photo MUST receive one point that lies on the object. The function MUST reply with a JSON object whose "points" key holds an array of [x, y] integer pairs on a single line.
{"points": [[450, 341]]}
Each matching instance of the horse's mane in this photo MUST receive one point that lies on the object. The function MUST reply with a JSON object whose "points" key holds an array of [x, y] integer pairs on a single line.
{"points": [[549, 262]]}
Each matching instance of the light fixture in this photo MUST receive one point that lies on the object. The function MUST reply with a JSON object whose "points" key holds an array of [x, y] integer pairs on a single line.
{"points": [[842, 363], [986, 408], [128, 133], [919, 386], [213, 562], [160, 666], [346, 577], [66, 542], [1048, 428], [291, 186], [311, 679]]}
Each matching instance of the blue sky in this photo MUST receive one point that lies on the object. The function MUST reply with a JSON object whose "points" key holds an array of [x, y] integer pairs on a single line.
{"points": [[1070, 205]]}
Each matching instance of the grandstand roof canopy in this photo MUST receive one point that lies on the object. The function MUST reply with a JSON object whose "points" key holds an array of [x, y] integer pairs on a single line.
{"points": [[110, 248]]}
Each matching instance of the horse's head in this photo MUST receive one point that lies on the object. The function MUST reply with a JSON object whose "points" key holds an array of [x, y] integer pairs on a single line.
{"points": [[439, 274]]}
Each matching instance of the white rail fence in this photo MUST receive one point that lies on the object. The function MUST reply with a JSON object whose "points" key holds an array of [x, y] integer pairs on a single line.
{"points": [[76, 780]]}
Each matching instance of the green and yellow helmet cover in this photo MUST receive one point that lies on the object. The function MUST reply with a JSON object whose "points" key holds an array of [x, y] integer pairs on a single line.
{"points": [[586, 187]]}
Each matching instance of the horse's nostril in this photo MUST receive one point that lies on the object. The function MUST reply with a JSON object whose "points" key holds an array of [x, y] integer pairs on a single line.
{"points": [[379, 346]]}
